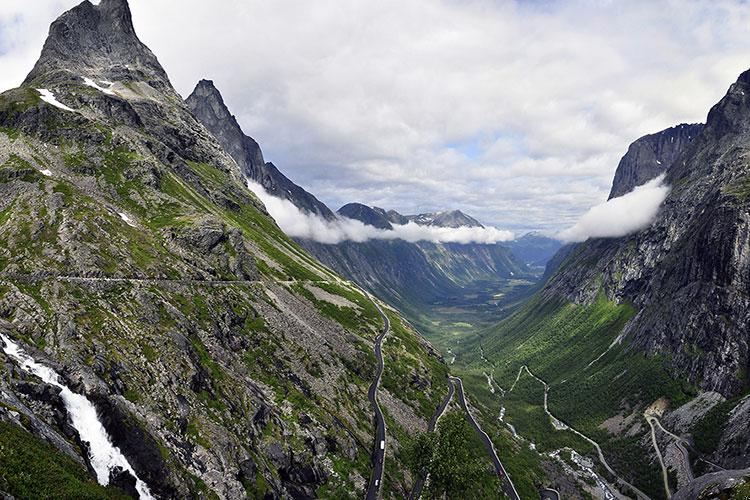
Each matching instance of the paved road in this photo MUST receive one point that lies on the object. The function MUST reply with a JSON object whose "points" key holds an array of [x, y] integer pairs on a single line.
{"points": [[680, 442], [621, 481], [549, 494], [378, 454], [664, 473], [507, 484], [416, 490]]}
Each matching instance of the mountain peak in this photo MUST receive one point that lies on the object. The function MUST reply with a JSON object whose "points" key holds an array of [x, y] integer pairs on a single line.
{"points": [[651, 156], [96, 41], [368, 215], [447, 218], [207, 104], [207, 99], [732, 113]]}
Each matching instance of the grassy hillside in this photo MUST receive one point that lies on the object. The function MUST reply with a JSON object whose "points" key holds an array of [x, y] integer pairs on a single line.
{"points": [[136, 256], [591, 377]]}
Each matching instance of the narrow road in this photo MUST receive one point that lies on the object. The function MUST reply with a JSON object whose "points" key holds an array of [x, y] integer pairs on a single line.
{"points": [[416, 490], [664, 474], [561, 425], [441, 409], [680, 442], [549, 494], [150, 281], [507, 484], [378, 454]]}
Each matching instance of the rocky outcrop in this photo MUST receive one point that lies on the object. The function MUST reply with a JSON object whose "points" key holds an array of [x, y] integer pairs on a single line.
{"points": [[370, 216], [97, 42], [208, 105], [651, 156]]}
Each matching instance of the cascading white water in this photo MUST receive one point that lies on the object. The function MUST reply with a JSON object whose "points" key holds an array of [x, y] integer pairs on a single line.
{"points": [[104, 456]]}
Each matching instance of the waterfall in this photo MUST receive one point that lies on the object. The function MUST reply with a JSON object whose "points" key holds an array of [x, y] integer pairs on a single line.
{"points": [[103, 455]]}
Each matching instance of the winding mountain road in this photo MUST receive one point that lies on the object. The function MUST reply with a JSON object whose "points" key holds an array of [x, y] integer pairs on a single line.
{"points": [[680, 443], [416, 490], [561, 425], [664, 473], [378, 454], [507, 484]]}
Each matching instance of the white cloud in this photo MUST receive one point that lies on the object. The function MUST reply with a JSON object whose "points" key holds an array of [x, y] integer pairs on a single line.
{"points": [[620, 216], [300, 224], [514, 112]]}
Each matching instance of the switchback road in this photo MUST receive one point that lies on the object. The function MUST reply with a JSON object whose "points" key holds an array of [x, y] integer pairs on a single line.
{"points": [[507, 484], [416, 491]]}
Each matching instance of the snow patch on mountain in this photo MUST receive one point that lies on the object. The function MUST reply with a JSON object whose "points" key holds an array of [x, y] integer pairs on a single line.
{"points": [[47, 96], [93, 84]]}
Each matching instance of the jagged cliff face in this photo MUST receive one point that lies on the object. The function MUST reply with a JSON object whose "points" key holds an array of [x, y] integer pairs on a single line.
{"points": [[208, 105], [651, 156], [223, 359], [98, 42], [688, 274]]}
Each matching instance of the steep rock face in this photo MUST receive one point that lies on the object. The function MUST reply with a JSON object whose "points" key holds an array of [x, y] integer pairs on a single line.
{"points": [[98, 42], [393, 269], [208, 105], [689, 272], [135, 262], [651, 156]]}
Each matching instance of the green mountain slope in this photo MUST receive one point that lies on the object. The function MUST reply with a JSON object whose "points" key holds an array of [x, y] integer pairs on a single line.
{"points": [[224, 360], [629, 332]]}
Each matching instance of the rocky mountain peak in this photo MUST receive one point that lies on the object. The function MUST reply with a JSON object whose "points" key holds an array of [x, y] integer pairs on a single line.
{"points": [[207, 104], [376, 217], [448, 218], [732, 113], [98, 42], [651, 156]]}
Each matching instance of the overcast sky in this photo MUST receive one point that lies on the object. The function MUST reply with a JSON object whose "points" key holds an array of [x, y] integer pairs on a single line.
{"points": [[515, 112]]}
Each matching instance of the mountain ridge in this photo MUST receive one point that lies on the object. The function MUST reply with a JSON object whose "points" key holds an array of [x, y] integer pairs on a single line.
{"points": [[222, 359], [207, 103], [648, 325]]}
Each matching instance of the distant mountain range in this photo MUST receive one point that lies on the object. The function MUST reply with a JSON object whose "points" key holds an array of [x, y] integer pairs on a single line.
{"points": [[383, 219], [394, 269]]}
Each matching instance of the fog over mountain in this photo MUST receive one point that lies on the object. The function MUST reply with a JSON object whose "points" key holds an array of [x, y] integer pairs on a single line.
{"points": [[619, 216], [299, 224]]}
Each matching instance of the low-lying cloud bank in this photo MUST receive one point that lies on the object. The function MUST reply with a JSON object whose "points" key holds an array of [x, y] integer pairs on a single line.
{"points": [[620, 216], [298, 224]]}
